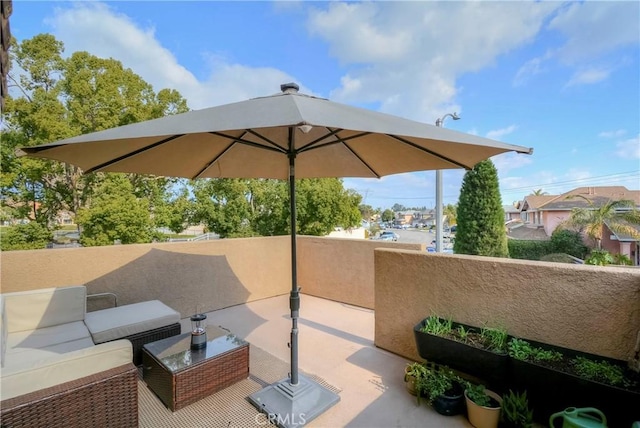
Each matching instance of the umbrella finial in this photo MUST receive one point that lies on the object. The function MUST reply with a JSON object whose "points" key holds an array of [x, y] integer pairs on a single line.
{"points": [[289, 88]]}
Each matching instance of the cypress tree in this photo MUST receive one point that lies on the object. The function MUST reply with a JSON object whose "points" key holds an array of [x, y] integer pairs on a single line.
{"points": [[481, 229]]}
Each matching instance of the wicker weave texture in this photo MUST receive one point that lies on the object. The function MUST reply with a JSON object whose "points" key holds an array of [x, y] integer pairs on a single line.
{"points": [[106, 399], [138, 340], [201, 380]]}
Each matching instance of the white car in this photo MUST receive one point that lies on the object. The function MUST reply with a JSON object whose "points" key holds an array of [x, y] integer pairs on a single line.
{"points": [[389, 236]]}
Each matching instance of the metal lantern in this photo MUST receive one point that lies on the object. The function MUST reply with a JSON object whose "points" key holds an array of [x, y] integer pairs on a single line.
{"points": [[198, 331]]}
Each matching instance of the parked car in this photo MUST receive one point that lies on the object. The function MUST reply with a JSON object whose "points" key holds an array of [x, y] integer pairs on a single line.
{"points": [[389, 236]]}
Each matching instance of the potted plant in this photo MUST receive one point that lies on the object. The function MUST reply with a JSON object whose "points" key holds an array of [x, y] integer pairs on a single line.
{"points": [[558, 378], [483, 406], [443, 389], [481, 352], [516, 412], [413, 372]]}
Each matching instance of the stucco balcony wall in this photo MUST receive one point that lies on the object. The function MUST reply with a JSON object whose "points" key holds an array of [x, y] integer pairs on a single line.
{"points": [[188, 276], [341, 269], [587, 308]]}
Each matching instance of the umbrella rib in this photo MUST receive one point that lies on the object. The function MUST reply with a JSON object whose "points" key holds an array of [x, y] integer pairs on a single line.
{"points": [[431, 152], [276, 147], [311, 145], [131, 154], [214, 160], [338, 141]]}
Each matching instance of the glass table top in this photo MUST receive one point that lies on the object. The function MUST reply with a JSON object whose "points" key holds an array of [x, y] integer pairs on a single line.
{"points": [[175, 352]]}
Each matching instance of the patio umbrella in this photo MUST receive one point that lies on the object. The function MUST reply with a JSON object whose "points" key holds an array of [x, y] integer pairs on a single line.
{"points": [[284, 136]]}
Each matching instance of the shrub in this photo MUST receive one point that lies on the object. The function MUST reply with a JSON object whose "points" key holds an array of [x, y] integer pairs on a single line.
{"points": [[529, 250], [569, 242]]}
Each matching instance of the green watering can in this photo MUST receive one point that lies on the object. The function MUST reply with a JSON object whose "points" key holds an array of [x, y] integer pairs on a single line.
{"points": [[586, 417]]}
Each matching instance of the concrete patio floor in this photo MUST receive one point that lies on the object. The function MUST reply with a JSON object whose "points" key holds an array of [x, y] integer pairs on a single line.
{"points": [[335, 344]]}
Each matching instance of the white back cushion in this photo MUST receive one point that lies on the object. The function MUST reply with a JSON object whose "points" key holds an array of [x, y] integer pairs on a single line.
{"points": [[33, 309]]}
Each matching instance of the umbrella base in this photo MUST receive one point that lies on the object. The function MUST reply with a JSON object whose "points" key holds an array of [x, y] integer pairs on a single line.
{"points": [[292, 406]]}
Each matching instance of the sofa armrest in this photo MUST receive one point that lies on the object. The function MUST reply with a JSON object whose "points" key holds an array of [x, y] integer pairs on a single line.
{"points": [[108, 399], [44, 369]]}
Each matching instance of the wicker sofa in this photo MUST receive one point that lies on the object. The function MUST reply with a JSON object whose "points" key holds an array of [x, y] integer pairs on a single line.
{"points": [[64, 367]]}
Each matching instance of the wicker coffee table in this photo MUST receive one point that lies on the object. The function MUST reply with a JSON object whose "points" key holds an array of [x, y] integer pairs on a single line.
{"points": [[180, 376]]}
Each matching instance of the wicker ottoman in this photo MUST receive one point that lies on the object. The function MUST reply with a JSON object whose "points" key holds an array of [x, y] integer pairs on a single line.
{"points": [[180, 376]]}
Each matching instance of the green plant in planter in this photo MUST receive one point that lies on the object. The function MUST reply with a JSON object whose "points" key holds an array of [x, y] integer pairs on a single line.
{"points": [[600, 371], [436, 382], [522, 350], [515, 411], [476, 393], [436, 326], [413, 374], [495, 339], [463, 334]]}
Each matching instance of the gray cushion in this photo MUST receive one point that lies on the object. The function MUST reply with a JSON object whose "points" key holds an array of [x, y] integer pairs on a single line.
{"points": [[115, 323]]}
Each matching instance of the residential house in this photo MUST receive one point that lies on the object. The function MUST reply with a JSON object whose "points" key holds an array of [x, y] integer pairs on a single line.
{"points": [[549, 211]]}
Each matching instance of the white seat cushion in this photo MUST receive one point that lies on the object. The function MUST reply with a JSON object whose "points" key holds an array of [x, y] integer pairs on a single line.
{"points": [[47, 336], [18, 356], [43, 369], [115, 323]]}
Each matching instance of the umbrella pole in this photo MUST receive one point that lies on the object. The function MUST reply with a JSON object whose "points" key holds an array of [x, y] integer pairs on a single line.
{"points": [[296, 400], [294, 299]]}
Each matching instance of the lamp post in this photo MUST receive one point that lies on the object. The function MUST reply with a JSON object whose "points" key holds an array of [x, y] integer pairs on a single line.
{"points": [[439, 212]]}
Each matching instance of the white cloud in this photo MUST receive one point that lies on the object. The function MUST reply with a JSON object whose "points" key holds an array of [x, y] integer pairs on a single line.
{"points": [[532, 68], [613, 134], [594, 28], [499, 133], [629, 148], [386, 45], [588, 76], [591, 30], [506, 162], [100, 30]]}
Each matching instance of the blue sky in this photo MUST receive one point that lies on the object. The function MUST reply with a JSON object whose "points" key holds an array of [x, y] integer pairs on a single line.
{"points": [[561, 77]]}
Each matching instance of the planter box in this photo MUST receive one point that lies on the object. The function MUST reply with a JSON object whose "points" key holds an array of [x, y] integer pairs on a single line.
{"points": [[551, 390], [486, 365]]}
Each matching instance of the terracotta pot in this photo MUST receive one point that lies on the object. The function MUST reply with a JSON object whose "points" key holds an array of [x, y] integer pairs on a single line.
{"points": [[481, 416]]}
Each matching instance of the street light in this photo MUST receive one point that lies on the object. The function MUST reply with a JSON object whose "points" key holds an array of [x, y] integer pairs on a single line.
{"points": [[439, 212]]}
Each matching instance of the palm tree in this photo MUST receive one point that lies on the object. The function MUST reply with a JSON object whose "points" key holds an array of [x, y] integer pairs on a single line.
{"points": [[619, 216], [538, 192]]}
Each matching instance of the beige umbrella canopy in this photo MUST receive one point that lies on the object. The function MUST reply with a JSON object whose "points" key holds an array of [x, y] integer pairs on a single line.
{"points": [[255, 138], [283, 136]]}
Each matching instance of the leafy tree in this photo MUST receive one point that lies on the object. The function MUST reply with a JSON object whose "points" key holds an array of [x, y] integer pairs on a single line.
{"points": [[568, 242], [388, 215], [619, 216], [451, 212], [398, 207], [115, 214], [481, 228], [223, 205], [239, 207], [29, 236], [599, 258], [56, 98], [366, 211]]}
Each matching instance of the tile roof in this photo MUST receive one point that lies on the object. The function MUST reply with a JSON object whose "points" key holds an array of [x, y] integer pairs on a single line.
{"points": [[597, 195]]}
